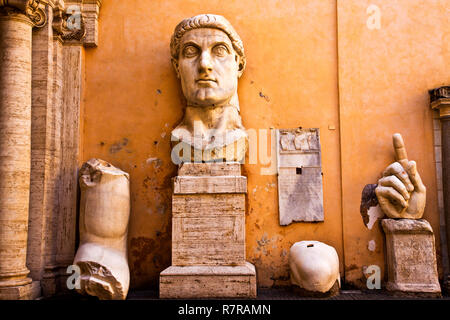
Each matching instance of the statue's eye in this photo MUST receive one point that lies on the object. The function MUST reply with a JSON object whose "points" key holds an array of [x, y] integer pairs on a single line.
{"points": [[220, 50], [190, 51]]}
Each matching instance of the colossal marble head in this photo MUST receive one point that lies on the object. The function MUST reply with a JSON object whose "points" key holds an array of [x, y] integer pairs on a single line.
{"points": [[208, 57]]}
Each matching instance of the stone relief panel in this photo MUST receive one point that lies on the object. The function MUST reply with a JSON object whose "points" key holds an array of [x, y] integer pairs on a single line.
{"points": [[300, 191]]}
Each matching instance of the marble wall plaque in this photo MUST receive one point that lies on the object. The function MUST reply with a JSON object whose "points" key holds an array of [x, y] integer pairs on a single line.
{"points": [[300, 192]]}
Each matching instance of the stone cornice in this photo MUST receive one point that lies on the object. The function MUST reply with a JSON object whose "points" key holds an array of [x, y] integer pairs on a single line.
{"points": [[97, 3], [91, 11], [439, 93], [53, 3], [440, 100], [32, 9]]}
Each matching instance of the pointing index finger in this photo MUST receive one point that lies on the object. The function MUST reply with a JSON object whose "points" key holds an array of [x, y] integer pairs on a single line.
{"points": [[399, 147]]}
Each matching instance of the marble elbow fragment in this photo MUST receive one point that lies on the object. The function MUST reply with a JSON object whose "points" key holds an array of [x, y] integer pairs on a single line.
{"points": [[104, 216]]}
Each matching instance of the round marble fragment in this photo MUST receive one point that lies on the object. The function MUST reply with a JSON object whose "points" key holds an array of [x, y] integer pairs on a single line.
{"points": [[314, 266]]}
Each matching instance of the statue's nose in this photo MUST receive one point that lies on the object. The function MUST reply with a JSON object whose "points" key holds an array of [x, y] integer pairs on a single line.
{"points": [[205, 62]]}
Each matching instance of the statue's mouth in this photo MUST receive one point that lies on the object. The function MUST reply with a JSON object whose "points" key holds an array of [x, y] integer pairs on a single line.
{"points": [[205, 81]]}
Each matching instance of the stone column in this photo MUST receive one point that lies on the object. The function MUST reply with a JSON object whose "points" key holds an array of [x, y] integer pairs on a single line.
{"points": [[17, 19], [440, 100], [56, 98], [74, 37], [57, 75]]}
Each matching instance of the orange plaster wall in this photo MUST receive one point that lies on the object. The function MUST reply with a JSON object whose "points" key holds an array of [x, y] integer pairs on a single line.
{"points": [[132, 102], [384, 76]]}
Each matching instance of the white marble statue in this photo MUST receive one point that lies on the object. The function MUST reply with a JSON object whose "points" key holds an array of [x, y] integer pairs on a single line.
{"points": [[314, 266], [104, 216]]}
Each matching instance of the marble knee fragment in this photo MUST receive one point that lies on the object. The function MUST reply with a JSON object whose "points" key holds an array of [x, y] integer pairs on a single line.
{"points": [[104, 216]]}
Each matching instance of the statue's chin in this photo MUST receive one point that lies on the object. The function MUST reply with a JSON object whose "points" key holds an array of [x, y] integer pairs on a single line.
{"points": [[206, 97]]}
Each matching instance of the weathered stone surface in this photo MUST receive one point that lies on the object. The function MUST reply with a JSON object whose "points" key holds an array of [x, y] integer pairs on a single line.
{"points": [[91, 11], [314, 266], [204, 252], [440, 100], [300, 192], [33, 10], [15, 146], [46, 156], [406, 226], [56, 99], [29, 291], [199, 205], [178, 282], [104, 214], [368, 201], [208, 229], [55, 72], [210, 169], [206, 184], [70, 136], [208, 235], [411, 256], [44, 162]]}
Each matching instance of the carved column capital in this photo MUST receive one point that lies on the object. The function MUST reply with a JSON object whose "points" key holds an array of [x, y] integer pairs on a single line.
{"points": [[440, 100], [69, 26], [32, 9]]}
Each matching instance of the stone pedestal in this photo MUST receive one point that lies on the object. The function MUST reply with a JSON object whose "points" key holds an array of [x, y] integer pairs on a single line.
{"points": [[15, 146], [411, 256], [208, 234]]}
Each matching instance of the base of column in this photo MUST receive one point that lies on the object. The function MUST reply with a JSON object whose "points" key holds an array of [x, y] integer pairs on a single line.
{"points": [[208, 282], [30, 291], [49, 282], [446, 284]]}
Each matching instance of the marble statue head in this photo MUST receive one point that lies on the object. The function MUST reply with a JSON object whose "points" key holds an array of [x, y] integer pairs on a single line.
{"points": [[208, 57]]}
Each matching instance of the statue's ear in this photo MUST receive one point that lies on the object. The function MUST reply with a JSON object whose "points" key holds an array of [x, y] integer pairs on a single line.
{"points": [[241, 66], [176, 67], [240, 70]]}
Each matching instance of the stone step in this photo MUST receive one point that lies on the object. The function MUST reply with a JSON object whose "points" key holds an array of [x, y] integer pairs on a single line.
{"points": [[208, 282]]}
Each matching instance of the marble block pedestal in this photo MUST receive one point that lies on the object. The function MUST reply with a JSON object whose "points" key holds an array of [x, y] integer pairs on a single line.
{"points": [[411, 256], [208, 234]]}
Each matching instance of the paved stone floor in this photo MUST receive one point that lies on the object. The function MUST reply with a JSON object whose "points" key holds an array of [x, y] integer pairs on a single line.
{"points": [[288, 294], [275, 294]]}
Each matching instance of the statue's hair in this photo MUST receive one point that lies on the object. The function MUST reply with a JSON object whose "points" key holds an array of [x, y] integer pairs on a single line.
{"points": [[207, 21]]}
